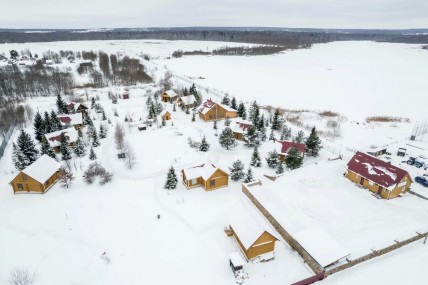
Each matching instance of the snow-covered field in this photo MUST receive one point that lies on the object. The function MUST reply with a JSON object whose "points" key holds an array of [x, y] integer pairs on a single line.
{"points": [[61, 236]]}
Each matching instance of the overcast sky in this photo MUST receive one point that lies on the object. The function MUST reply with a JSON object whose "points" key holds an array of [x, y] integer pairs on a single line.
{"points": [[385, 14]]}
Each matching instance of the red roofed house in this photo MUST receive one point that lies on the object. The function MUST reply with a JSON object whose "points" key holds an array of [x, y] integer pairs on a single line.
{"points": [[378, 176], [285, 146], [240, 128], [72, 120], [210, 111], [77, 108]]}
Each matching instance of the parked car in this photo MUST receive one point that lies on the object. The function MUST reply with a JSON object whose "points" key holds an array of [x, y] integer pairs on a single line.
{"points": [[422, 180], [411, 160]]}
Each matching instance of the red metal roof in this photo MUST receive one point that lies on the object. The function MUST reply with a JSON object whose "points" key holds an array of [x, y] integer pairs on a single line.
{"points": [[65, 119], [376, 170], [243, 126], [286, 145]]}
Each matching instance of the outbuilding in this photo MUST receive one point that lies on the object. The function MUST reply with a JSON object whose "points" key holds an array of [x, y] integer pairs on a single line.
{"points": [[169, 96], [207, 176]]}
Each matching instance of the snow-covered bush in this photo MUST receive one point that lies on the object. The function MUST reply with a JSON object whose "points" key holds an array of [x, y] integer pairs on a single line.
{"points": [[94, 170]]}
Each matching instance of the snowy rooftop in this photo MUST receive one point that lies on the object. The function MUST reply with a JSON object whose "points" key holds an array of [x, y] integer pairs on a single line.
{"points": [[321, 245], [74, 106], [187, 100], [241, 126], [247, 225], [72, 119], [54, 137], [209, 104], [204, 170], [42, 169], [376, 170], [170, 93], [236, 259]]}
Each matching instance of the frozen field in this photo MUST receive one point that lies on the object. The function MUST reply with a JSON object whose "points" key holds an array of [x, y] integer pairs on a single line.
{"points": [[357, 79]]}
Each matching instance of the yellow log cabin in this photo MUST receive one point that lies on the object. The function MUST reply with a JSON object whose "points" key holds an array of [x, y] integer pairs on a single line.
{"points": [[169, 96], [210, 111], [166, 115], [206, 175], [251, 233], [378, 176], [38, 177]]}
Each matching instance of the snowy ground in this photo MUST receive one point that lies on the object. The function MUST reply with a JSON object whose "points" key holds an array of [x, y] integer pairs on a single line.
{"points": [[74, 227]]}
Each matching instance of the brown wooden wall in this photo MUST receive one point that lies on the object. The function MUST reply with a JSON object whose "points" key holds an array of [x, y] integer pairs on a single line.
{"points": [[259, 248], [31, 185], [221, 180]]}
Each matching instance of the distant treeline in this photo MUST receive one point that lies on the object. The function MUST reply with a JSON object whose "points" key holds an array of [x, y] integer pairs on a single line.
{"points": [[289, 39], [256, 50]]}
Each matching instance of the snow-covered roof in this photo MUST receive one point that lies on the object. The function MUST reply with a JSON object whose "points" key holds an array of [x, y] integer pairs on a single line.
{"points": [[205, 171], [55, 137], [209, 104], [42, 169], [246, 225], [164, 112], [241, 126], [74, 106], [236, 259], [188, 100], [170, 93], [376, 170], [285, 146], [321, 245], [72, 119]]}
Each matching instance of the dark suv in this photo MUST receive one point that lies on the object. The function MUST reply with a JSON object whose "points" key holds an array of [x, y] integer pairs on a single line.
{"points": [[422, 180]]}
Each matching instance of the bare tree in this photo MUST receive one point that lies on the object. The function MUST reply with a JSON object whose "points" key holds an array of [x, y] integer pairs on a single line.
{"points": [[66, 178], [119, 137], [166, 81], [20, 277], [130, 157]]}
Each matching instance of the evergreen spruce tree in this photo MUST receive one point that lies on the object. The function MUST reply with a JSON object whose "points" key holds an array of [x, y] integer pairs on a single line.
{"points": [[227, 122], [115, 113], [174, 108], [237, 170], [79, 148], [92, 155], [251, 137], [26, 145], [46, 149], [300, 137], [39, 127], [163, 121], [294, 158], [261, 122], [20, 161], [204, 147], [92, 103], [88, 121], [103, 131], [187, 110], [64, 148], [241, 111], [272, 136], [286, 133], [313, 143], [103, 118], [262, 134], [233, 103], [193, 117], [276, 123], [90, 131], [226, 139], [255, 114], [249, 177], [185, 92], [79, 132], [272, 159], [149, 101], [226, 100], [152, 111], [256, 161], [114, 100], [95, 140], [280, 168], [55, 122], [171, 179], [47, 123], [215, 125], [61, 105]]}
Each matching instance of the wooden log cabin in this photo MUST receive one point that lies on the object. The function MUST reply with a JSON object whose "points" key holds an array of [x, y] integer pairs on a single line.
{"points": [[378, 176], [210, 111], [54, 138], [251, 233], [206, 175], [39, 177], [240, 128], [166, 115], [186, 101], [169, 96]]}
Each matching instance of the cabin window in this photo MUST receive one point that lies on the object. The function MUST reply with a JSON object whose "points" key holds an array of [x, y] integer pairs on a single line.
{"points": [[20, 187], [194, 181], [212, 183], [24, 177]]}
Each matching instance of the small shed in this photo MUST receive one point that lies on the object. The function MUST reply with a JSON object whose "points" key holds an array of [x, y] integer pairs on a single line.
{"points": [[236, 262], [378, 152], [166, 115], [169, 96], [125, 95], [401, 151], [142, 127], [49, 61]]}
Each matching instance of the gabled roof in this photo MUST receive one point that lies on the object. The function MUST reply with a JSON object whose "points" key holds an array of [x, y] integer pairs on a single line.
{"points": [[74, 106], [72, 119], [164, 112], [241, 126], [247, 226], [286, 145], [376, 170], [205, 171], [188, 100], [209, 104], [171, 93], [55, 137], [42, 169]]}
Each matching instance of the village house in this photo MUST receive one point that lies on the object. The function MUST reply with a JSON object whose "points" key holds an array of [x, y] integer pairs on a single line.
{"points": [[206, 175], [74, 107], [54, 138], [240, 128], [251, 234], [166, 115], [380, 177], [169, 96], [38, 177], [284, 146], [186, 101], [72, 120], [125, 95], [210, 111]]}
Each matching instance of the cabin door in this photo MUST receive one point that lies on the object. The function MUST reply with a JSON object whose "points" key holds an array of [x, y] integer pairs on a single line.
{"points": [[362, 181], [379, 190]]}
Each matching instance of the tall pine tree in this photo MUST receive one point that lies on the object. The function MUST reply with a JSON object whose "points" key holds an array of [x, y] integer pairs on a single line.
{"points": [[61, 106], [226, 100], [300, 137], [79, 148], [55, 122], [204, 147], [95, 140], [47, 149], [20, 161], [313, 143], [242, 111], [249, 177], [64, 148], [272, 159], [47, 123], [251, 137], [226, 139], [256, 161], [276, 124], [233, 103], [294, 158], [237, 170], [92, 155], [26, 145], [171, 179], [39, 127]]}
